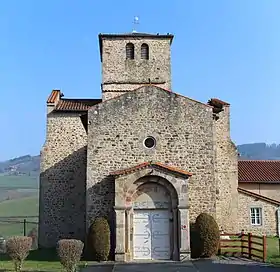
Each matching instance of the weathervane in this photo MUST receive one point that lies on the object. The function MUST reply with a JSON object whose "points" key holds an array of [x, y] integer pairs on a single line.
{"points": [[135, 22]]}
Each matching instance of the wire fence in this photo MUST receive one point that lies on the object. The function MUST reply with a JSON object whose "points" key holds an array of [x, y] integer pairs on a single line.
{"points": [[20, 226]]}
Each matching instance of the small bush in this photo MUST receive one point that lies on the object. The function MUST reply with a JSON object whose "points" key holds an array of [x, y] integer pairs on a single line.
{"points": [[18, 248], [208, 235], [70, 252], [99, 239]]}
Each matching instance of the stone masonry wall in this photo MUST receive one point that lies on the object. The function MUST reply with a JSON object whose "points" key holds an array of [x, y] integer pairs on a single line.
{"points": [[268, 190], [269, 226], [118, 73], [226, 173], [183, 129], [62, 180]]}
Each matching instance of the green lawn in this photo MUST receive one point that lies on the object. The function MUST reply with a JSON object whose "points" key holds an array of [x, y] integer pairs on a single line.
{"points": [[273, 254], [18, 210], [38, 260]]}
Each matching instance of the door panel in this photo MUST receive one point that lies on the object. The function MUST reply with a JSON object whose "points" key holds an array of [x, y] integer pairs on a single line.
{"points": [[160, 235], [151, 239], [142, 235]]}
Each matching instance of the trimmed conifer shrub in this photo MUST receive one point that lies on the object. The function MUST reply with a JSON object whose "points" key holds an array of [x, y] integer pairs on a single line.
{"points": [[208, 235], [99, 239]]}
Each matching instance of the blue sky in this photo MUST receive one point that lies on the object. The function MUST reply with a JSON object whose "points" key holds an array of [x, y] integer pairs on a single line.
{"points": [[226, 49]]}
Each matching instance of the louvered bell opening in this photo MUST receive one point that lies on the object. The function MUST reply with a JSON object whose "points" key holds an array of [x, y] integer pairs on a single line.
{"points": [[129, 51], [144, 51]]}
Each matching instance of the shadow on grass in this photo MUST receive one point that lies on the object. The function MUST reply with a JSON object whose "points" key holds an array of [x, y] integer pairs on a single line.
{"points": [[47, 255]]}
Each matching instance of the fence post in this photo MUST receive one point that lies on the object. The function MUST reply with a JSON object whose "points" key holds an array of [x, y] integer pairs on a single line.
{"points": [[242, 242], [250, 245], [264, 248], [24, 227]]}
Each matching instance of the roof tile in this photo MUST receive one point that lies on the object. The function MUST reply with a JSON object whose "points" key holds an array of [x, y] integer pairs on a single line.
{"points": [[76, 104], [259, 171], [53, 96]]}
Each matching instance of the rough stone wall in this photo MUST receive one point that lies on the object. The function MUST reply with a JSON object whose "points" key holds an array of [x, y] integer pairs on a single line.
{"points": [[226, 174], [269, 226], [183, 129], [268, 190], [62, 180], [118, 73]]}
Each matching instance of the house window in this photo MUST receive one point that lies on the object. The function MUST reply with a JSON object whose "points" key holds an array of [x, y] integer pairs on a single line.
{"points": [[130, 51], [256, 216], [144, 51]]}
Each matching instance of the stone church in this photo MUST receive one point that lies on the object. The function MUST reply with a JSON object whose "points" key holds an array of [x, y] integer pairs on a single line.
{"points": [[145, 157]]}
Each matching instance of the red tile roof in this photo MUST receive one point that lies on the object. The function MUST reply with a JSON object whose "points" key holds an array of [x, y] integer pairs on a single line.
{"points": [[54, 96], [259, 171], [76, 104], [150, 165], [257, 196]]}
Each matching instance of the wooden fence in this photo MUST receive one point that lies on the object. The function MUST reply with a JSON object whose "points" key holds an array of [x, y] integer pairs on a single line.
{"points": [[246, 245]]}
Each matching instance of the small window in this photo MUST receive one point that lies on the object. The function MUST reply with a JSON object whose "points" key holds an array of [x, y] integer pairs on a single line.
{"points": [[144, 51], [130, 51], [150, 142], [256, 216]]}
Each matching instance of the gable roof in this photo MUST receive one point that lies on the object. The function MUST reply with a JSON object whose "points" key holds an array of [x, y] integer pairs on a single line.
{"points": [[259, 197], [259, 171], [151, 165], [162, 89]]}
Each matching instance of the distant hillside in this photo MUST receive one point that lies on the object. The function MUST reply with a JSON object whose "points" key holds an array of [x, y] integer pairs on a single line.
{"points": [[259, 151], [30, 165], [24, 165]]}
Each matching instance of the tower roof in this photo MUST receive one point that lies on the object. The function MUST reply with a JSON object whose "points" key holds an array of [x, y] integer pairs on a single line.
{"points": [[101, 36]]}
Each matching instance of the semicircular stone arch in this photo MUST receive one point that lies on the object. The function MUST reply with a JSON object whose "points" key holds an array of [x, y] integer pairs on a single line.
{"points": [[157, 188], [151, 195]]}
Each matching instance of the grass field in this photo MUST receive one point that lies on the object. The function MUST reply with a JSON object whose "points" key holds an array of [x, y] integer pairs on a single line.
{"points": [[273, 254], [13, 212], [19, 182]]}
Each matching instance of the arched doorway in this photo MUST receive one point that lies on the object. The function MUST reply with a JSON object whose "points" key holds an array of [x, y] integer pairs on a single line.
{"points": [[154, 229]]}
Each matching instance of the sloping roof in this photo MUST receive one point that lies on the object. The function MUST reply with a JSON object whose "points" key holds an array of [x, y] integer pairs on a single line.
{"points": [[259, 171], [257, 196], [162, 89], [54, 96], [76, 104], [150, 165]]}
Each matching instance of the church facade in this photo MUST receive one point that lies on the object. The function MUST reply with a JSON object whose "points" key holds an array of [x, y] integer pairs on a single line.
{"points": [[148, 159]]}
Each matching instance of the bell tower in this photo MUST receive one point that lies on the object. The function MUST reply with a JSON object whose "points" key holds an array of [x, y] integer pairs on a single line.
{"points": [[134, 59]]}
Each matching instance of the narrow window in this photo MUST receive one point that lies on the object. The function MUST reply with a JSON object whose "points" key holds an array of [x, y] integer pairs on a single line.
{"points": [[130, 51], [256, 216], [144, 51]]}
